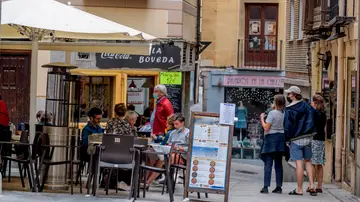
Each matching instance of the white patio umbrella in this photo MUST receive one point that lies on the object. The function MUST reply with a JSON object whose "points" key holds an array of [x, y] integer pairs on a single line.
{"points": [[39, 18]]}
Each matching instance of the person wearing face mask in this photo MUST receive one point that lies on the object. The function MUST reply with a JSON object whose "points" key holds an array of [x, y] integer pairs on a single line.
{"points": [[181, 133], [180, 137], [163, 109], [299, 128]]}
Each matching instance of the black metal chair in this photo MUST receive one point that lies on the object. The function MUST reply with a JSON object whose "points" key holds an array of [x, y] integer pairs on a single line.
{"points": [[5, 136], [166, 170], [80, 162], [46, 161], [23, 158], [117, 152]]}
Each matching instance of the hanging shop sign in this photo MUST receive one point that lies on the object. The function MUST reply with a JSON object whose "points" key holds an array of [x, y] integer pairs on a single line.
{"points": [[161, 56], [209, 155], [254, 81]]}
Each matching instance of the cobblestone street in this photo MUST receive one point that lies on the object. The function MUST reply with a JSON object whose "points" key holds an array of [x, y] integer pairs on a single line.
{"points": [[246, 181]]}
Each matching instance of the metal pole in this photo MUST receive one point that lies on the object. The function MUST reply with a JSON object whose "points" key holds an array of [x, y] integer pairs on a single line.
{"points": [[357, 185]]}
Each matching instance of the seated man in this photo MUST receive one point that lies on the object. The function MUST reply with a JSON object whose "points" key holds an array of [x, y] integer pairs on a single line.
{"points": [[95, 115], [179, 136]]}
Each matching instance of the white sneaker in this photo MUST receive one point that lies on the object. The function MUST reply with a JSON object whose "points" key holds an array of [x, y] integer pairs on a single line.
{"points": [[162, 178], [122, 185], [156, 183]]}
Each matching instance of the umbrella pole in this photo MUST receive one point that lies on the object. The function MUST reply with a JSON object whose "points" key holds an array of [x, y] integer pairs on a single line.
{"points": [[33, 87]]}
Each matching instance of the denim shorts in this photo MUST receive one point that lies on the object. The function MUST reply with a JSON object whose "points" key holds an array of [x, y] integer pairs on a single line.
{"points": [[298, 152]]}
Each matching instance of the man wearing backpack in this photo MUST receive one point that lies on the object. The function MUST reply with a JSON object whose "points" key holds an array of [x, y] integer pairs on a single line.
{"points": [[299, 128]]}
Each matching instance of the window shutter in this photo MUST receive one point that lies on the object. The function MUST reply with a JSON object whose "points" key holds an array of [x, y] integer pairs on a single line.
{"points": [[324, 10]]}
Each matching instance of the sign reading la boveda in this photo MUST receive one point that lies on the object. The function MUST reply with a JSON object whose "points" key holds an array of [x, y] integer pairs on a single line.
{"points": [[160, 57]]}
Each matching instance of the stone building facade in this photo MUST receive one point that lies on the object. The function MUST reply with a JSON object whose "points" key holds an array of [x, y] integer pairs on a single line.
{"points": [[297, 48]]}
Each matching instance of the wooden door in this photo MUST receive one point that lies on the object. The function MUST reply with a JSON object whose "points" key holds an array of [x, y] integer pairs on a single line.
{"points": [[15, 85], [261, 35]]}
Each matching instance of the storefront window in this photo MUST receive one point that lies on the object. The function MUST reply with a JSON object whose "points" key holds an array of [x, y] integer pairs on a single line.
{"points": [[96, 91], [353, 89], [137, 95], [352, 135], [251, 102]]}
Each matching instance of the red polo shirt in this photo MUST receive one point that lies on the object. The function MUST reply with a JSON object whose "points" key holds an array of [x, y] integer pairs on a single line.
{"points": [[4, 114], [163, 110]]}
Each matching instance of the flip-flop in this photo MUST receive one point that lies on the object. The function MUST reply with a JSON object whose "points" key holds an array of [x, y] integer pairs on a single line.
{"points": [[294, 193], [312, 192], [318, 190]]}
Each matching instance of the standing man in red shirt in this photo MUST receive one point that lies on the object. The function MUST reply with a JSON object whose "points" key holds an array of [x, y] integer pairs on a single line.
{"points": [[163, 109], [4, 115]]}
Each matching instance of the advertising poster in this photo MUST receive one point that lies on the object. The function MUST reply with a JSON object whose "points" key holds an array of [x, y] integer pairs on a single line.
{"points": [[209, 154]]}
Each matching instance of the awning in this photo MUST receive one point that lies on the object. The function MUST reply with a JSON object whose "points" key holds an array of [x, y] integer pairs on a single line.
{"points": [[133, 48]]}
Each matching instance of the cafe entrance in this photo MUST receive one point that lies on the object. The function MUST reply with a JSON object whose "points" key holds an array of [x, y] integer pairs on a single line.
{"points": [[105, 88]]}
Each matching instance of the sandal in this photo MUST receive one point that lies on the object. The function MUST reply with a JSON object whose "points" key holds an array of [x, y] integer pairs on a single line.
{"points": [[312, 192], [294, 193], [318, 190]]}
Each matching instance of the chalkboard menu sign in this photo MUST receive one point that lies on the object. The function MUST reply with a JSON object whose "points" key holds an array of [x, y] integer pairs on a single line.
{"points": [[172, 81], [174, 95]]}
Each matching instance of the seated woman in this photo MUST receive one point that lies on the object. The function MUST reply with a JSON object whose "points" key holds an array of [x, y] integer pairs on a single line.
{"points": [[178, 136], [113, 124], [126, 126]]}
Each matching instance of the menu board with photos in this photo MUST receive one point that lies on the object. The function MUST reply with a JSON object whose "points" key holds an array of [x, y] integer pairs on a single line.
{"points": [[209, 155]]}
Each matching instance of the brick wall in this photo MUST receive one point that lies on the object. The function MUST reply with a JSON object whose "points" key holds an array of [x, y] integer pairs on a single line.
{"points": [[297, 75], [296, 49]]}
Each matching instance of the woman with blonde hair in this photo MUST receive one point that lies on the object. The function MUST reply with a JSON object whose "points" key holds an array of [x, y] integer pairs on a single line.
{"points": [[318, 142], [273, 147]]}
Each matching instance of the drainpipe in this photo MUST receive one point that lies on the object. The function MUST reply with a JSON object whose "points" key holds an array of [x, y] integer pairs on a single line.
{"points": [[197, 51], [340, 103]]}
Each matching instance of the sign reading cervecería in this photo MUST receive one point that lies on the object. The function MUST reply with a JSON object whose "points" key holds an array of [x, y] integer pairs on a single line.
{"points": [[161, 56]]}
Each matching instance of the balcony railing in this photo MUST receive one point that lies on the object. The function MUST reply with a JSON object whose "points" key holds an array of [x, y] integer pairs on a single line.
{"points": [[322, 17], [260, 53]]}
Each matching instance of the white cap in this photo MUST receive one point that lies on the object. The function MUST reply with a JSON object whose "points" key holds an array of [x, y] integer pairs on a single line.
{"points": [[293, 89]]}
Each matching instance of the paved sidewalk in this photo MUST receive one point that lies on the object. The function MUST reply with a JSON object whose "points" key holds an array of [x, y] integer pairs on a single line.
{"points": [[246, 181]]}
